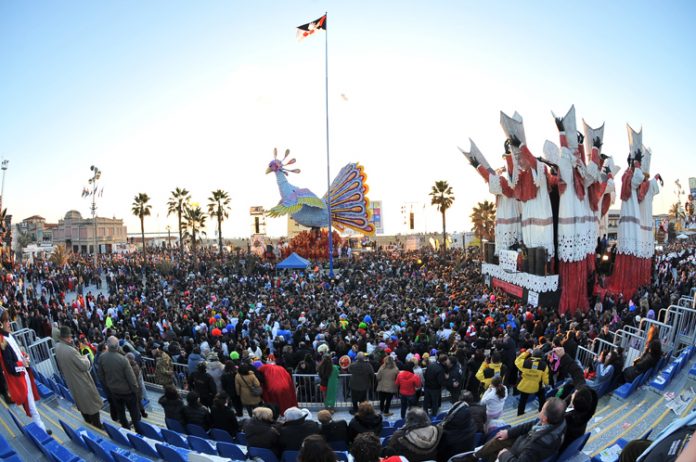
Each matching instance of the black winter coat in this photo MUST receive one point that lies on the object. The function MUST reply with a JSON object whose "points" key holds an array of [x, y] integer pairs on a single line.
{"points": [[294, 432], [361, 424], [336, 430], [533, 445], [434, 377], [224, 418], [203, 384], [173, 409], [197, 415], [262, 434], [458, 432]]}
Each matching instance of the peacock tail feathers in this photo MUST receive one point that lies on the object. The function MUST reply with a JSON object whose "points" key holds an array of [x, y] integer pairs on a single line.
{"points": [[350, 207]]}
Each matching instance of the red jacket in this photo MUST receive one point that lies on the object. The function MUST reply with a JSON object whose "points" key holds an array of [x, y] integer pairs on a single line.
{"points": [[407, 383]]}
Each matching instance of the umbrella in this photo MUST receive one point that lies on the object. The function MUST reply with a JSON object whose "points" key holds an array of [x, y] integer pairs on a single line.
{"points": [[682, 236]]}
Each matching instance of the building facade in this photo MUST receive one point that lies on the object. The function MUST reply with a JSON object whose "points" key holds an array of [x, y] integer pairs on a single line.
{"points": [[77, 233]]}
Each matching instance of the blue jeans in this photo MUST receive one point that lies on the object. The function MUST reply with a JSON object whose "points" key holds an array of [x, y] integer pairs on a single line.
{"points": [[407, 402]]}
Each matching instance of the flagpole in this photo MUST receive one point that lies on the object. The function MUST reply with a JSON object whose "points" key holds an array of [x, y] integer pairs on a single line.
{"points": [[328, 163]]}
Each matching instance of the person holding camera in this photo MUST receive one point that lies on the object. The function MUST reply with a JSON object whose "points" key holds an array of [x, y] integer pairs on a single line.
{"points": [[491, 367], [535, 375]]}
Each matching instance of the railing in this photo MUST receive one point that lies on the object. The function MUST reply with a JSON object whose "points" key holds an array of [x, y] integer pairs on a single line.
{"points": [[687, 302], [585, 357], [633, 344], [683, 321], [306, 386], [43, 358], [25, 337], [664, 332]]}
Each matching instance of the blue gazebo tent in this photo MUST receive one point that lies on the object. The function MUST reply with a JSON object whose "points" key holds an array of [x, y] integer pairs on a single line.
{"points": [[293, 261]]}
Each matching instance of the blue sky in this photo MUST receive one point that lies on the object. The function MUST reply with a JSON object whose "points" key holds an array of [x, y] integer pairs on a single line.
{"points": [[161, 94]]}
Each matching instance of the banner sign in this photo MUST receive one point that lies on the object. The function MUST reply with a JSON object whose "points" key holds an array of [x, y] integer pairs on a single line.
{"points": [[532, 298], [512, 289]]}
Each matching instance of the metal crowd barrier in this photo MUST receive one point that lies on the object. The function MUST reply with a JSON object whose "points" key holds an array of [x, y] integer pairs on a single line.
{"points": [[149, 368], [633, 344], [585, 357], [25, 337], [683, 321], [43, 358], [664, 332]]}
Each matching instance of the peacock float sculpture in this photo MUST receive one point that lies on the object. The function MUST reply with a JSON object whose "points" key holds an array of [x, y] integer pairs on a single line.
{"points": [[350, 207]]}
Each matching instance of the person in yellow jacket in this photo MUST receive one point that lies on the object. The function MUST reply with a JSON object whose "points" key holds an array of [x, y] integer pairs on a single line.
{"points": [[490, 368], [535, 375]]}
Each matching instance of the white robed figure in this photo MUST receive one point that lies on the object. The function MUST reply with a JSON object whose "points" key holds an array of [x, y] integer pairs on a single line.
{"points": [[531, 189], [507, 208]]}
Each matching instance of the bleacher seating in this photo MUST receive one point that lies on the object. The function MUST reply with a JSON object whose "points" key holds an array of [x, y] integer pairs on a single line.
{"points": [[625, 390], [264, 454], [174, 438], [201, 445], [220, 435], [230, 450]]}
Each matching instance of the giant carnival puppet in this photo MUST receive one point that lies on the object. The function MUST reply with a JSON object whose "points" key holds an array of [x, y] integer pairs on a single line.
{"points": [[635, 246], [584, 189], [346, 198], [500, 184]]}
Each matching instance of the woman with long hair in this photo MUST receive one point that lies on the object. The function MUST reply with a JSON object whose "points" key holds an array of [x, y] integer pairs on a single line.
{"points": [[328, 380], [494, 398], [315, 449], [386, 384]]}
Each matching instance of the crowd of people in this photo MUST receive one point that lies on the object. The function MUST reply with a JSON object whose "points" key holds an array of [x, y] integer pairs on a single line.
{"points": [[421, 326]]}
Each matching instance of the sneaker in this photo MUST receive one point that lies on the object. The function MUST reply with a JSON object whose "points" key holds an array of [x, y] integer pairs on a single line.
{"points": [[49, 431], [388, 414]]}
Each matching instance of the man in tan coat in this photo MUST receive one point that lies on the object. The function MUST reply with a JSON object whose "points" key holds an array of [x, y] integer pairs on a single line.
{"points": [[75, 368]]}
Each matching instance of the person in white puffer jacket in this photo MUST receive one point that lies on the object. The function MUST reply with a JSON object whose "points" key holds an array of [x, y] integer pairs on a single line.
{"points": [[494, 399]]}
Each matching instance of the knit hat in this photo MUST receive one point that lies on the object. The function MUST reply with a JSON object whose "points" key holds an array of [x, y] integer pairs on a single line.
{"points": [[234, 355], [295, 413]]}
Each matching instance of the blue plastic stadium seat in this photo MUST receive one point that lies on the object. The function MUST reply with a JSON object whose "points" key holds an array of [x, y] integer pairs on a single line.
{"points": [[399, 423], [230, 450], [574, 448], [129, 458], [44, 391], [103, 449], [196, 430], [5, 448], [262, 453], [219, 434], [201, 445], [241, 438], [625, 390], [140, 445], [175, 425], [175, 438], [172, 454], [12, 458], [147, 430], [115, 435], [692, 371], [74, 434], [289, 456], [341, 456], [388, 431], [386, 424], [338, 445]]}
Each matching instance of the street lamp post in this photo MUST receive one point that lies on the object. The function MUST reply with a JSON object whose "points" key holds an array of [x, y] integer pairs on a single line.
{"points": [[2, 188], [169, 240], [96, 174]]}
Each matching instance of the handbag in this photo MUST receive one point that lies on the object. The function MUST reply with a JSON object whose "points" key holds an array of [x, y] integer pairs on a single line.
{"points": [[255, 391]]}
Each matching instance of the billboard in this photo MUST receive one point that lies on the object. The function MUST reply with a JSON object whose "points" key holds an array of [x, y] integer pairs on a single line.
{"points": [[376, 219]]}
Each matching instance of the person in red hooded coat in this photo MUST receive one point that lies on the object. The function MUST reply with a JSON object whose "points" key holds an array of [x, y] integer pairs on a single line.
{"points": [[279, 387]]}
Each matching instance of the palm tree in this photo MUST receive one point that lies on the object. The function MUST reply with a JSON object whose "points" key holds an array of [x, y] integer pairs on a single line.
{"points": [[483, 220], [194, 222], [141, 209], [442, 196], [178, 201], [675, 211], [218, 205]]}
